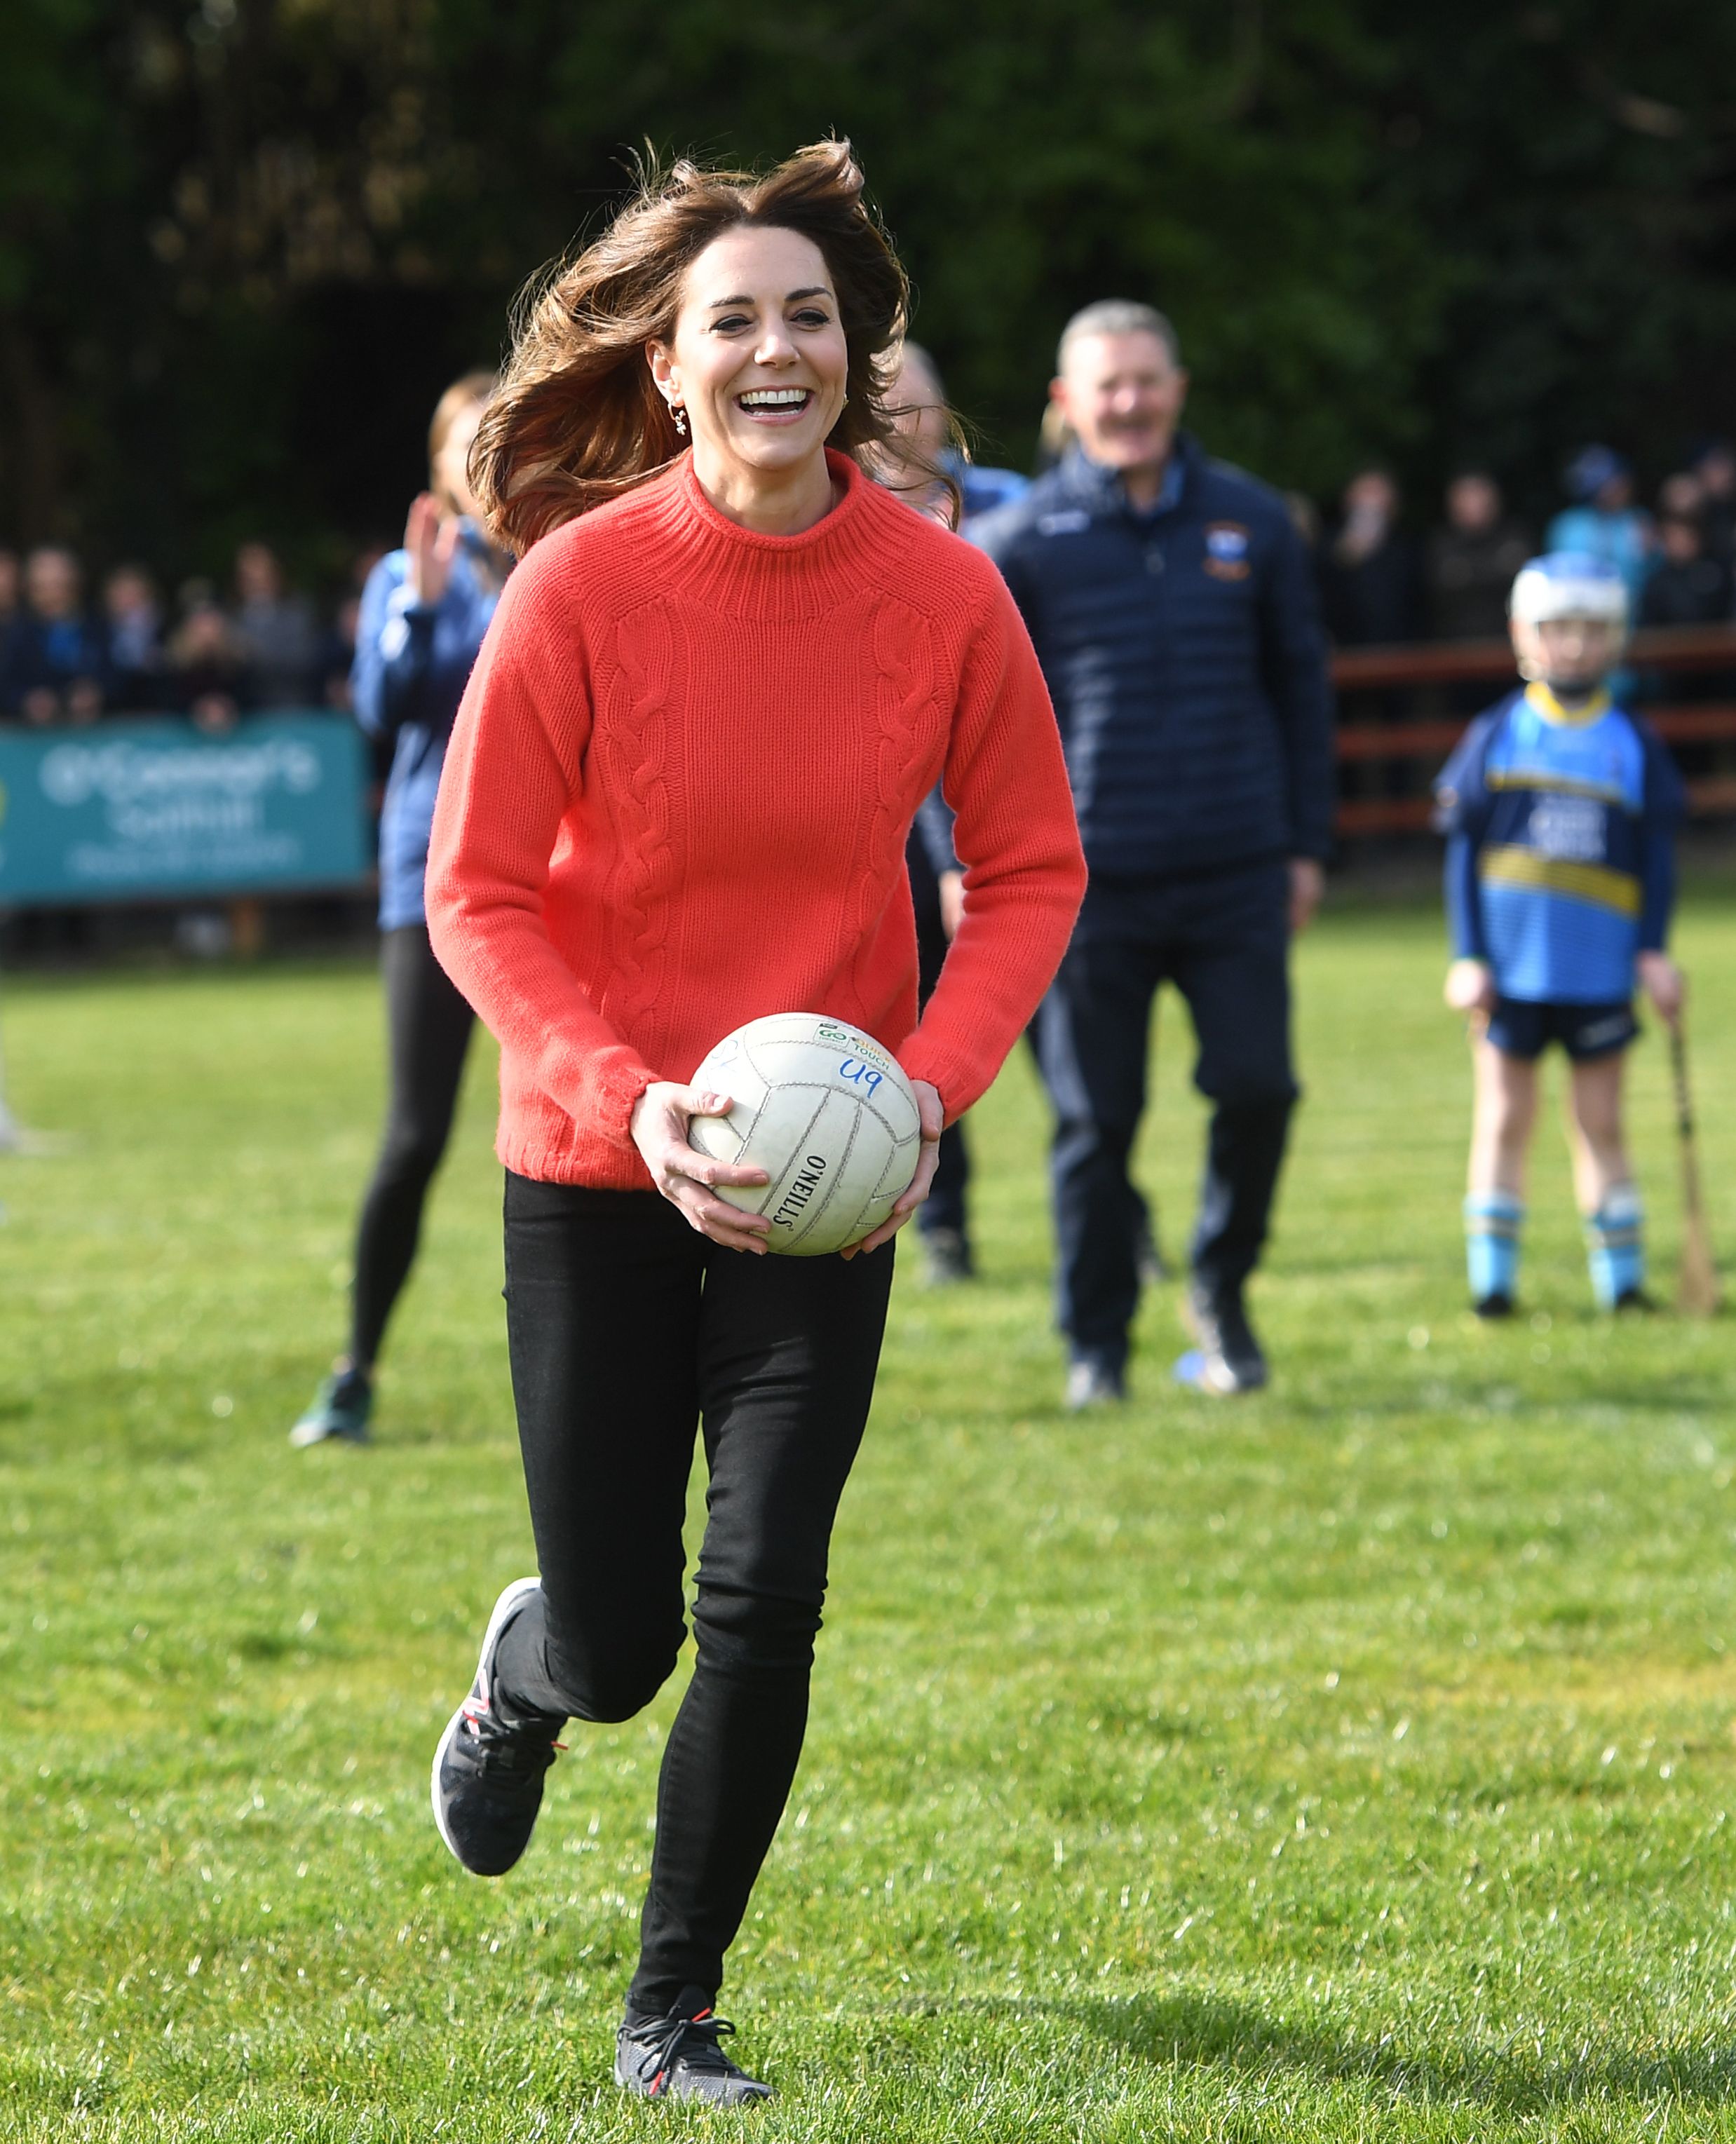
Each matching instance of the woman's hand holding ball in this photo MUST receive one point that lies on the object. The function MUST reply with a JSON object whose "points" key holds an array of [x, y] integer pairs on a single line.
{"points": [[685, 1176], [933, 1112]]}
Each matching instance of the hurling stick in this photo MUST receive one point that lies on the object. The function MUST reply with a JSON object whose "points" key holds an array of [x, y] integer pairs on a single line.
{"points": [[1696, 1290]]}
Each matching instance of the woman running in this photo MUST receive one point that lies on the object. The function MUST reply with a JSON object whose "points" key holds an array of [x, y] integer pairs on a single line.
{"points": [[423, 614], [676, 798]]}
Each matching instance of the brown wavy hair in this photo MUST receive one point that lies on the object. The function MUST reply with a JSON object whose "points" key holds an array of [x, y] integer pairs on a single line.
{"points": [[577, 419]]}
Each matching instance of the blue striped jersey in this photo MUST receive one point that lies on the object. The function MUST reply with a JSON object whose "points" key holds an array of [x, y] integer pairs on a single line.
{"points": [[1560, 825]]}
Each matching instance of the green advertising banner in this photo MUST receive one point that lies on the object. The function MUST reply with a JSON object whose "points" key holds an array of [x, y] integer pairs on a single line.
{"points": [[143, 809]]}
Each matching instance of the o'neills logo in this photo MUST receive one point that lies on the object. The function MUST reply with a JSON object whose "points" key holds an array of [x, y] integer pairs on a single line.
{"points": [[803, 1185]]}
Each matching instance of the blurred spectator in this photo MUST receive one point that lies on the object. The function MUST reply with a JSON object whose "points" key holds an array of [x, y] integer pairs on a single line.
{"points": [[1370, 577], [915, 393], [1681, 497], [279, 632], [1688, 587], [1604, 520], [1055, 437], [340, 654], [10, 622], [209, 672], [135, 638], [56, 670], [1472, 561], [1714, 465], [1305, 520]]}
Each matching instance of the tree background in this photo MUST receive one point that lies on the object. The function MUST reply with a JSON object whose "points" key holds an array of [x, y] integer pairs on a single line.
{"points": [[243, 247]]}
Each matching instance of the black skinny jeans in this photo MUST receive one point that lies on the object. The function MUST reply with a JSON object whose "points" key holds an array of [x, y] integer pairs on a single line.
{"points": [[626, 1331], [428, 1032]]}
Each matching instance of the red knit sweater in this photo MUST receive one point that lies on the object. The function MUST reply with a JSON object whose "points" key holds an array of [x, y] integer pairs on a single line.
{"points": [[677, 792]]}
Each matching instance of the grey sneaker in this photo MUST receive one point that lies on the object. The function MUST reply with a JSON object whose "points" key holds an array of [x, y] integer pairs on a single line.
{"points": [[946, 1258], [1092, 1381], [1233, 1362], [340, 1409], [680, 2056], [487, 1782]]}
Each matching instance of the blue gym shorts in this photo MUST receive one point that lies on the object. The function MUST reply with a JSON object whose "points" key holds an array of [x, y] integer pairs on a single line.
{"points": [[1520, 1028]]}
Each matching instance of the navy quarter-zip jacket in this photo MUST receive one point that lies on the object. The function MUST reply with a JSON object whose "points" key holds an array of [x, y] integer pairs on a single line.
{"points": [[1184, 655]]}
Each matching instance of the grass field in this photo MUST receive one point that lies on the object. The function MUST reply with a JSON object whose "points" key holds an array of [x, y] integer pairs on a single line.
{"points": [[1350, 1762]]}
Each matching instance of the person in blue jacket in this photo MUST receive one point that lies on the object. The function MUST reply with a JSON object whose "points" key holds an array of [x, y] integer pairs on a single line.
{"points": [[423, 614], [919, 399], [1174, 614], [1560, 808]]}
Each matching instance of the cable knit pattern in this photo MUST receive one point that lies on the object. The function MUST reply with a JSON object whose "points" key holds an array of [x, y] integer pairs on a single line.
{"points": [[634, 767], [677, 792], [904, 690]]}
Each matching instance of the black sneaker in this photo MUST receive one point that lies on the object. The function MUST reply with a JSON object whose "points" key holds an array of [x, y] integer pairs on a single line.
{"points": [[1233, 1362], [339, 1409], [488, 1771], [679, 2056], [946, 1258], [1494, 1305], [1637, 1300]]}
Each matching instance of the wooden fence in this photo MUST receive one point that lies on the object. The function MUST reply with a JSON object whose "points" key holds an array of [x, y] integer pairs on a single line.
{"points": [[1426, 672]]}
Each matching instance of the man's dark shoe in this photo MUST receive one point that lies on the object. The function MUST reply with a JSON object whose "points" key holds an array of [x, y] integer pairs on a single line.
{"points": [[1232, 1360], [339, 1409], [680, 2056], [1494, 1305], [488, 1771], [946, 1257], [1093, 1381], [1637, 1300]]}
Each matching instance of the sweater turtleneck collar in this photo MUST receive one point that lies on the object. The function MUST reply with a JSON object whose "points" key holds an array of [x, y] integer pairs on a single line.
{"points": [[758, 575]]}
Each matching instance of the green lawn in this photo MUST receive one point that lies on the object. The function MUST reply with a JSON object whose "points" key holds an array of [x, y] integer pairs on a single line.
{"points": [[1353, 1761]]}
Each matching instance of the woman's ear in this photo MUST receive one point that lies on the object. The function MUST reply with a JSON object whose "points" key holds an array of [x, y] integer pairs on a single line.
{"points": [[663, 368]]}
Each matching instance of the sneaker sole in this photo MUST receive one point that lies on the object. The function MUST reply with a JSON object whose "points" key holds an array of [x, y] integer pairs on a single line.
{"points": [[504, 1609], [307, 1434]]}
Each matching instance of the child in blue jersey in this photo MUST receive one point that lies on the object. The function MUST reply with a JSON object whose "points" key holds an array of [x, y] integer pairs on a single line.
{"points": [[1560, 808]]}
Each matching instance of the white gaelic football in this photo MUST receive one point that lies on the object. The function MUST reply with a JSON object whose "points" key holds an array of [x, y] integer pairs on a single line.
{"points": [[829, 1116]]}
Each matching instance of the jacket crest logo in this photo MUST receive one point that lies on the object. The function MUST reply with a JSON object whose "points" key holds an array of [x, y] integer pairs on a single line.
{"points": [[1226, 550]]}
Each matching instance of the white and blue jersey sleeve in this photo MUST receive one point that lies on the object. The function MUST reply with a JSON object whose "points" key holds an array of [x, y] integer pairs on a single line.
{"points": [[1560, 847]]}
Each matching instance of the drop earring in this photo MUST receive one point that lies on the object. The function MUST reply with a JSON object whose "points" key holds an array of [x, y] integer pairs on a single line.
{"points": [[680, 416]]}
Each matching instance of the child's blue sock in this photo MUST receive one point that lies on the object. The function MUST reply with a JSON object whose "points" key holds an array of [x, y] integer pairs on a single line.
{"points": [[1492, 1223], [1615, 1246]]}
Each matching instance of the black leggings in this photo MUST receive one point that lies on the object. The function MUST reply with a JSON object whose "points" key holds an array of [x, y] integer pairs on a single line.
{"points": [[626, 1331], [428, 1028]]}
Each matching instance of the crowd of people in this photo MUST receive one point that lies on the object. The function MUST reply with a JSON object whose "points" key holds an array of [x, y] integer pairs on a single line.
{"points": [[1381, 584], [65, 658], [71, 652]]}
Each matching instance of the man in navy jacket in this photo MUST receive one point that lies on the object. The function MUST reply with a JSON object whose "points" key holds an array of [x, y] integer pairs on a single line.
{"points": [[1173, 610]]}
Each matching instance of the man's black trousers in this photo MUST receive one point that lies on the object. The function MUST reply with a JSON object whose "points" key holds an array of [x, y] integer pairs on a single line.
{"points": [[1222, 939], [627, 1332]]}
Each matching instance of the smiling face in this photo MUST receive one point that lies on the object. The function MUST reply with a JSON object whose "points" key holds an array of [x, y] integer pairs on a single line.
{"points": [[758, 359], [1123, 395]]}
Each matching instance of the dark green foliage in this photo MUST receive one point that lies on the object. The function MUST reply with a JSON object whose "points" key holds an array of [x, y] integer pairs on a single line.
{"points": [[241, 250]]}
